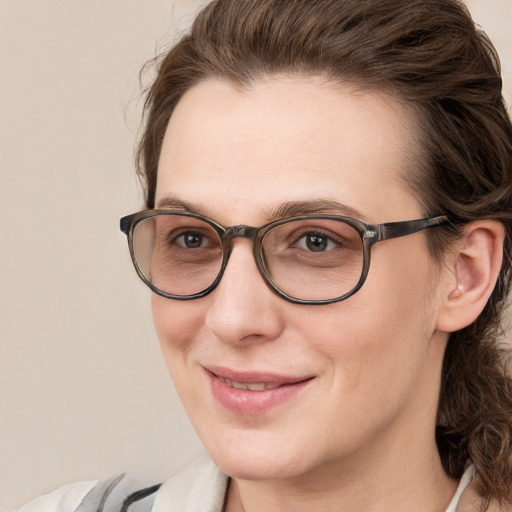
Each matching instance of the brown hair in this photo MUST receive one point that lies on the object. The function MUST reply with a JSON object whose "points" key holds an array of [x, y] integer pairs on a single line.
{"points": [[430, 55]]}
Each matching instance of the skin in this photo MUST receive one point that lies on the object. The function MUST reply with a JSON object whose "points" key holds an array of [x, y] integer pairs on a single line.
{"points": [[360, 435]]}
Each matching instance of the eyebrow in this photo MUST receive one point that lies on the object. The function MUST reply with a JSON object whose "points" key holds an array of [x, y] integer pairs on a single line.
{"points": [[171, 202], [281, 211], [322, 206]]}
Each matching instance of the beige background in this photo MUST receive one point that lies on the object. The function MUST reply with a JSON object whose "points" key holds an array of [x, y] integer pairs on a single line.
{"points": [[83, 392]]}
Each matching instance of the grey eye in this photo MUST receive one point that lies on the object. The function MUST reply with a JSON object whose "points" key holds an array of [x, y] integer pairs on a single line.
{"points": [[191, 240], [315, 242]]}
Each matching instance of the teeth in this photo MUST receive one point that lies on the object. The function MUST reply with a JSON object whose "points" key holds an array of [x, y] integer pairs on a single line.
{"points": [[249, 386]]}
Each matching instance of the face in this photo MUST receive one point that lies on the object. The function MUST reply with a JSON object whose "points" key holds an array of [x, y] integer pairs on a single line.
{"points": [[325, 385]]}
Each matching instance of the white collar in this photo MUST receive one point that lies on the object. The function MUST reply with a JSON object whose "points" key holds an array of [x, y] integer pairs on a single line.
{"points": [[466, 479], [201, 486]]}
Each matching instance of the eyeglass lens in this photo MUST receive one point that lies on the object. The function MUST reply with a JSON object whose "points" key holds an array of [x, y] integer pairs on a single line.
{"points": [[312, 259]]}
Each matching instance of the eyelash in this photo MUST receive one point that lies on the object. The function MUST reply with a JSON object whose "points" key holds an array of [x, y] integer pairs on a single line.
{"points": [[330, 238]]}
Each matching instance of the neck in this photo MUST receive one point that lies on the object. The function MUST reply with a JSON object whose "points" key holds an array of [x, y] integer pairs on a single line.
{"points": [[386, 483]]}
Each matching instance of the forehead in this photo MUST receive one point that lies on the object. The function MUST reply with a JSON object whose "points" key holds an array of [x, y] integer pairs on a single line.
{"points": [[234, 151]]}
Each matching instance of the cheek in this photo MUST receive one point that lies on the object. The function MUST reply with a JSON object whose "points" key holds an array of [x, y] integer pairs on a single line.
{"points": [[403, 284], [378, 340], [177, 324]]}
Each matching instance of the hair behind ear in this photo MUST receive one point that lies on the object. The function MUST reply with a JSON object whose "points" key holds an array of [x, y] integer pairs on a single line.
{"points": [[475, 412], [475, 409]]}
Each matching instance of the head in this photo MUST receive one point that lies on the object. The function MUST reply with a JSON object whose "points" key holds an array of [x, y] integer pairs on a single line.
{"points": [[421, 84]]}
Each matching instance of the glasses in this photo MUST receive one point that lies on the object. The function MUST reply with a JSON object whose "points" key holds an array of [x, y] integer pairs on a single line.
{"points": [[307, 259]]}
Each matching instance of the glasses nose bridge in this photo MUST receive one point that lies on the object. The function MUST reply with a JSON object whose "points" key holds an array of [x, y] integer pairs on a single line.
{"points": [[241, 231]]}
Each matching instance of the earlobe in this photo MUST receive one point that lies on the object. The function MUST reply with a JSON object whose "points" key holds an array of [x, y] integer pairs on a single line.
{"points": [[471, 272]]}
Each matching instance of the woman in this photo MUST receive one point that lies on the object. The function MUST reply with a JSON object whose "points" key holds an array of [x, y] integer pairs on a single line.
{"points": [[286, 142]]}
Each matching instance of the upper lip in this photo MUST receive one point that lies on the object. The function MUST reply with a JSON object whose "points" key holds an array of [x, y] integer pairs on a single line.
{"points": [[247, 377]]}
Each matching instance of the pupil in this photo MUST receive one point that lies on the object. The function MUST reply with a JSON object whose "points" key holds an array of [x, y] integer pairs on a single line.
{"points": [[316, 243], [192, 241]]}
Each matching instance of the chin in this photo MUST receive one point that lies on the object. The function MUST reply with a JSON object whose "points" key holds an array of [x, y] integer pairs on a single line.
{"points": [[256, 467], [258, 455]]}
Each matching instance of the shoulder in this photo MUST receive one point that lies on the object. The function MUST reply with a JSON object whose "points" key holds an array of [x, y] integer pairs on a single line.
{"points": [[109, 495], [199, 486], [65, 499]]}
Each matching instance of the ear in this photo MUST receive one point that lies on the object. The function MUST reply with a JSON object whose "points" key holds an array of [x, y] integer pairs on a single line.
{"points": [[470, 274]]}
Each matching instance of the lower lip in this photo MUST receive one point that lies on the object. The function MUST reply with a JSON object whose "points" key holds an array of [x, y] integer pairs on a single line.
{"points": [[252, 403]]}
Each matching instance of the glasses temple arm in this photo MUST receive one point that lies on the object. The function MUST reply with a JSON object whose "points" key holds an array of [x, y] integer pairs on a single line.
{"points": [[397, 229]]}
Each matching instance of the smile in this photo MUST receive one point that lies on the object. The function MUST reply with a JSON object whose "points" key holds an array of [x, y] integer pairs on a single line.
{"points": [[253, 393], [249, 386]]}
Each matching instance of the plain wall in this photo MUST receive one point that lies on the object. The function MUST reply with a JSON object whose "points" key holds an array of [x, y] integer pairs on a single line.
{"points": [[83, 391]]}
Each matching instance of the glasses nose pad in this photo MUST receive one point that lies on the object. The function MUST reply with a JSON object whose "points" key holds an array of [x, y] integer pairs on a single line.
{"points": [[261, 262], [263, 266], [226, 254]]}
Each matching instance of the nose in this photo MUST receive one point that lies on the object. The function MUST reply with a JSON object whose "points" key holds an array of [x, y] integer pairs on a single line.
{"points": [[242, 308]]}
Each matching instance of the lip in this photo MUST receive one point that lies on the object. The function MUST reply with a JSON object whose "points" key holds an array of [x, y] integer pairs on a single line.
{"points": [[278, 389]]}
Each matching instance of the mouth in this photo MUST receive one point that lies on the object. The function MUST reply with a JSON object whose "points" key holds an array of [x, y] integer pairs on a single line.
{"points": [[249, 386], [253, 393]]}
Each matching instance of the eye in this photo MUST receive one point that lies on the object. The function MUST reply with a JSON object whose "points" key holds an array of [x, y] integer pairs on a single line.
{"points": [[191, 240], [316, 242]]}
